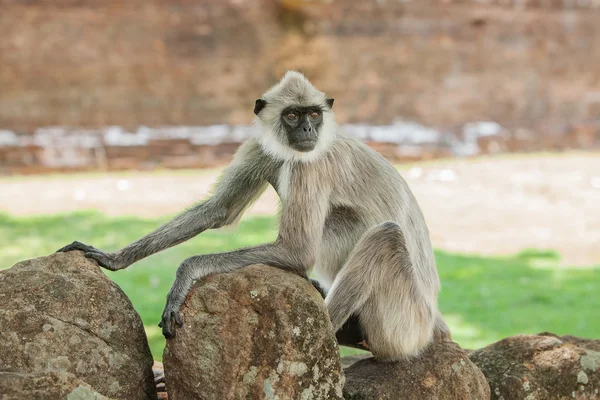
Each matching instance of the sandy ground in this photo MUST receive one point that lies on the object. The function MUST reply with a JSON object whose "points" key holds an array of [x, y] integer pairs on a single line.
{"points": [[491, 205]]}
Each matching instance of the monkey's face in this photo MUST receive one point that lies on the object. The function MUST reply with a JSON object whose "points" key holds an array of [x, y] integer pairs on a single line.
{"points": [[296, 120], [302, 126]]}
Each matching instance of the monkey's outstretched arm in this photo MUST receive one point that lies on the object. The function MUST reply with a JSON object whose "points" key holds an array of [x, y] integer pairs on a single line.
{"points": [[296, 248], [241, 183]]}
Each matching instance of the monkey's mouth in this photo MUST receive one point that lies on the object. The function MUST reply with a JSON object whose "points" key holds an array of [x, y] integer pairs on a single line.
{"points": [[305, 145]]}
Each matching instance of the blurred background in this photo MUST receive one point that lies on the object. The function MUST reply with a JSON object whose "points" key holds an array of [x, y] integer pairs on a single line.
{"points": [[115, 115]]}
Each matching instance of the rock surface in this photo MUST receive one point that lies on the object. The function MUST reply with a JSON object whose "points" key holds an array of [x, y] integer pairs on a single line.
{"points": [[540, 367], [61, 314], [45, 385], [442, 372], [258, 333], [159, 379], [350, 360]]}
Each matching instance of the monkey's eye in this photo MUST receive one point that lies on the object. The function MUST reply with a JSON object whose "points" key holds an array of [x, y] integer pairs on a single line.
{"points": [[314, 114], [292, 116]]}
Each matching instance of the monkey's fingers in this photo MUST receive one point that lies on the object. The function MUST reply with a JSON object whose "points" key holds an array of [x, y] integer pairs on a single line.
{"points": [[168, 331], [178, 320], [166, 324], [75, 246], [100, 257]]}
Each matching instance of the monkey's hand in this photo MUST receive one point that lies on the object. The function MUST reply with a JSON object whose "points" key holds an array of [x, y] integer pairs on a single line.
{"points": [[170, 314], [109, 261], [187, 272]]}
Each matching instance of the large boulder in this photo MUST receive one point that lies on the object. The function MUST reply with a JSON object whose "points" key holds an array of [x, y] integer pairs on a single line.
{"points": [[540, 367], [257, 333], [61, 314], [442, 372], [45, 385]]}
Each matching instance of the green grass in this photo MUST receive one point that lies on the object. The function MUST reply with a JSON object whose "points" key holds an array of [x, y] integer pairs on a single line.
{"points": [[483, 298]]}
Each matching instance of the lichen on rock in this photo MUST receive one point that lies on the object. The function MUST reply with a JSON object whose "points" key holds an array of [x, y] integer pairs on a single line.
{"points": [[541, 367], [61, 315], [442, 372], [240, 340]]}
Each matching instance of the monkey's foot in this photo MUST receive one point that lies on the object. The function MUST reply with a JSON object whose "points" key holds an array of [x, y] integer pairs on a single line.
{"points": [[170, 315]]}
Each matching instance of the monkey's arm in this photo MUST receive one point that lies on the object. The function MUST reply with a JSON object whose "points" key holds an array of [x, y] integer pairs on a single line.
{"points": [[296, 248], [241, 183]]}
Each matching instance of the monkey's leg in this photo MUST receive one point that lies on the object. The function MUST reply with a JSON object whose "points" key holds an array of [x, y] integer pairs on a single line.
{"points": [[197, 267], [379, 284], [351, 333]]}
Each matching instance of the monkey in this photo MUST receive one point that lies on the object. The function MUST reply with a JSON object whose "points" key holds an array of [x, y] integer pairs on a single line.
{"points": [[346, 215]]}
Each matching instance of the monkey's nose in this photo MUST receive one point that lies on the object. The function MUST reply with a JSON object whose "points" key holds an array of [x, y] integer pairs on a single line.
{"points": [[307, 129]]}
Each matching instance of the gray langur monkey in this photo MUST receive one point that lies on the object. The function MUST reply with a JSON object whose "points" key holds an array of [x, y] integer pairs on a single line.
{"points": [[346, 213]]}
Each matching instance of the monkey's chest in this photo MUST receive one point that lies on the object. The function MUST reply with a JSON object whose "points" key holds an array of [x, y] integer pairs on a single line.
{"points": [[283, 182], [301, 178]]}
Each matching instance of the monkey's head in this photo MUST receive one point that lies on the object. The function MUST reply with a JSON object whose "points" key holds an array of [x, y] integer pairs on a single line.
{"points": [[297, 120]]}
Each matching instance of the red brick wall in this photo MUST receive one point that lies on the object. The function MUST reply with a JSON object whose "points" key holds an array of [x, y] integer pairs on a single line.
{"points": [[202, 62], [531, 66]]}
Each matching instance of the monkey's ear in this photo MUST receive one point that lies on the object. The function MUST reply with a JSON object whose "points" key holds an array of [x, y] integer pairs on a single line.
{"points": [[259, 105], [329, 103]]}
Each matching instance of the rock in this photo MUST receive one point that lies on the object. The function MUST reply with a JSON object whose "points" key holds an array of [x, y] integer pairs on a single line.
{"points": [[350, 360], [45, 385], [62, 314], [539, 367], [159, 372], [257, 333], [159, 380], [442, 372]]}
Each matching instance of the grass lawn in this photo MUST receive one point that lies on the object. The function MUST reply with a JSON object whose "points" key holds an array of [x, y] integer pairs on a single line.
{"points": [[483, 298]]}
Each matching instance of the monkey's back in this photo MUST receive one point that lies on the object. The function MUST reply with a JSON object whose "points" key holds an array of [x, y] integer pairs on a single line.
{"points": [[364, 180]]}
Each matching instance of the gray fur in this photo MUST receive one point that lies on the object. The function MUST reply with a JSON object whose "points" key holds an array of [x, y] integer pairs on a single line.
{"points": [[346, 214]]}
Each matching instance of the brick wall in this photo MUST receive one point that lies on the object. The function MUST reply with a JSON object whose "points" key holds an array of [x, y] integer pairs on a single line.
{"points": [[530, 66]]}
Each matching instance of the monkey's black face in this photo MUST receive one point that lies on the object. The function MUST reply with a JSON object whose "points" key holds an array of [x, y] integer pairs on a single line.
{"points": [[302, 126]]}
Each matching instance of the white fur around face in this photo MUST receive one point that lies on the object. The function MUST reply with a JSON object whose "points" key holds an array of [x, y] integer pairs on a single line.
{"points": [[283, 181], [272, 144], [293, 89]]}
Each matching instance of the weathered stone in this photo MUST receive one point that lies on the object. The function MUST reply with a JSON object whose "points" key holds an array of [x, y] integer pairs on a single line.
{"points": [[442, 372], [159, 372], [45, 385], [258, 333], [350, 360], [541, 367], [61, 314], [159, 380]]}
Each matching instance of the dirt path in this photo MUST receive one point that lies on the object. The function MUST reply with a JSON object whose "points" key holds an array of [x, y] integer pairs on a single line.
{"points": [[488, 205]]}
